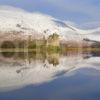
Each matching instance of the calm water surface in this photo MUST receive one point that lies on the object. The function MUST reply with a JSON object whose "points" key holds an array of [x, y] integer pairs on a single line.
{"points": [[50, 76]]}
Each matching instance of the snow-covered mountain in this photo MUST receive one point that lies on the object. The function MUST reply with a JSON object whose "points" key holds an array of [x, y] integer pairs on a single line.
{"points": [[15, 19]]}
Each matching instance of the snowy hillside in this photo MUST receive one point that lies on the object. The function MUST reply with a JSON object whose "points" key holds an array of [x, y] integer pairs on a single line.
{"points": [[15, 19]]}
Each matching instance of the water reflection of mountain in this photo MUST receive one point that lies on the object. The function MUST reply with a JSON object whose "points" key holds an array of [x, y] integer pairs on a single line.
{"points": [[95, 53], [23, 68]]}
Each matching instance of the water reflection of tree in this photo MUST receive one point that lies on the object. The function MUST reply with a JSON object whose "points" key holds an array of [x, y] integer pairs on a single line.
{"points": [[52, 58]]}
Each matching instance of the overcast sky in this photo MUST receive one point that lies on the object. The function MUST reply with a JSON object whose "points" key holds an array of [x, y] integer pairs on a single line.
{"points": [[83, 12]]}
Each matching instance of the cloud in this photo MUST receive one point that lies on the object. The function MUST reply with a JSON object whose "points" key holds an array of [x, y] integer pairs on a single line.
{"points": [[11, 8], [86, 12], [90, 25], [79, 11], [88, 7]]}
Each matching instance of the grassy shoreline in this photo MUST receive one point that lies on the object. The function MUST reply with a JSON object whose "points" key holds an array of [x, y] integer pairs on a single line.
{"points": [[50, 49]]}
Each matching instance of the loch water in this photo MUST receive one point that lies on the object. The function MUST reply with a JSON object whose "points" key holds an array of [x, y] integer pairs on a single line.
{"points": [[50, 76]]}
